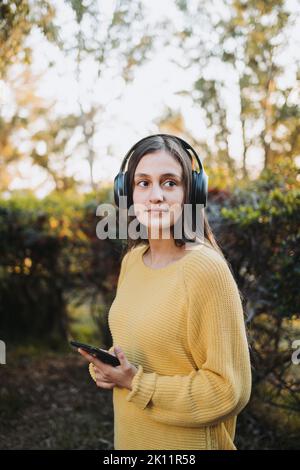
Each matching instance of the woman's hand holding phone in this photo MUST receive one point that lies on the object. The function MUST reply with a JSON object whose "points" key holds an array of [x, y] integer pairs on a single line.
{"points": [[98, 377], [107, 376]]}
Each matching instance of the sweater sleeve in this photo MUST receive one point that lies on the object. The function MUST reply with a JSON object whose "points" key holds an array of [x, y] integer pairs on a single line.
{"points": [[219, 387]]}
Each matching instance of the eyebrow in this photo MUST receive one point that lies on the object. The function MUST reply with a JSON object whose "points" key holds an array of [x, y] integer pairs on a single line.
{"points": [[172, 175]]}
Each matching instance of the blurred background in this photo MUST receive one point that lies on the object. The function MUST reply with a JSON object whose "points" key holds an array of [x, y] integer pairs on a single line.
{"points": [[80, 83]]}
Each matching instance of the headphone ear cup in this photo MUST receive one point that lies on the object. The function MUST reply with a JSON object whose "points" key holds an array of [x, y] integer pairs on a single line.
{"points": [[199, 187], [120, 187], [125, 187], [117, 183], [125, 184], [194, 187]]}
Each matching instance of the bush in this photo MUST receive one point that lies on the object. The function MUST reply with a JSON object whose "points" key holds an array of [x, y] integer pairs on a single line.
{"points": [[258, 231], [49, 254]]}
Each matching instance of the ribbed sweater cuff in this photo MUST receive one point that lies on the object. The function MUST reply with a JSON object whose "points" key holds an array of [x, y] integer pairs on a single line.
{"points": [[143, 386], [92, 372]]}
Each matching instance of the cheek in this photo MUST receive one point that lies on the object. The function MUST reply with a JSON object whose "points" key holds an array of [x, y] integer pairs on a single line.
{"points": [[176, 197], [176, 203], [139, 204], [138, 196]]}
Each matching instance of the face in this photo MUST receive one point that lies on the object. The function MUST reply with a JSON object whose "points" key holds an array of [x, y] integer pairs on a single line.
{"points": [[158, 185]]}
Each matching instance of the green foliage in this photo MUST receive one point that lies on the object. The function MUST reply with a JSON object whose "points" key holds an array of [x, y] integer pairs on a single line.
{"points": [[259, 232], [264, 221], [242, 59], [49, 251]]}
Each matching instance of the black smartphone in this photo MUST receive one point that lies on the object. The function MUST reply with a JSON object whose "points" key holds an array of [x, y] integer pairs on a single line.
{"points": [[104, 356]]}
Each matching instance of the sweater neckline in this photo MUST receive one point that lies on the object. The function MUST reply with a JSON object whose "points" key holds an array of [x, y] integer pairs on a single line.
{"points": [[169, 267]]}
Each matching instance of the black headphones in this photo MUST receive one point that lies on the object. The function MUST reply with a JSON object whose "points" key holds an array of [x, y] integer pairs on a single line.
{"points": [[199, 179]]}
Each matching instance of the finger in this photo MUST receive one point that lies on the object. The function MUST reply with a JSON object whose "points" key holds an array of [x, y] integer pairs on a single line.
{"points": [[99, 376], [92, 359], [102, 377], [106, 385], [86, 355], [121, 356]]}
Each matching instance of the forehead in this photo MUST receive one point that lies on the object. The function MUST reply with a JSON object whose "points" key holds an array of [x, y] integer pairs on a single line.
{"points": [[158, 163]]}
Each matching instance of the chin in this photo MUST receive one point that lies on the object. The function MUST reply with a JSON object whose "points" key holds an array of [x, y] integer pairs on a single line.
{"points": [[157, 228]]}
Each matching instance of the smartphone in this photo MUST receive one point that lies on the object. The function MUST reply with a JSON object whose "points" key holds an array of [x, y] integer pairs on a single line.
{"points": [[104, 356]]}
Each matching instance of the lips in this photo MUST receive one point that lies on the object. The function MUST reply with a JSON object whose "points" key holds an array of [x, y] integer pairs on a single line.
{"points": [[157, 211]]}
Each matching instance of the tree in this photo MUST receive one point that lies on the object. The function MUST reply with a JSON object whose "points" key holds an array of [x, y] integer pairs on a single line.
{"points": [[119, 44], [244, 40], [121, 39], [18, 18]]}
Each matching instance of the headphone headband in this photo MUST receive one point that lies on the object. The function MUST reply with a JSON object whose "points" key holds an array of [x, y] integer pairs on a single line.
{"points": [[185, 144]]}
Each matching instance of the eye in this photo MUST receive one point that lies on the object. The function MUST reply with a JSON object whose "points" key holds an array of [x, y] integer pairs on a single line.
{"points": [[143, 181], [170, 181], [138, 184]]}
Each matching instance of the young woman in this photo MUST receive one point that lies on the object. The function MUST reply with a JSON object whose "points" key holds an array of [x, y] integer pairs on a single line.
{"points": [[177, 319]]}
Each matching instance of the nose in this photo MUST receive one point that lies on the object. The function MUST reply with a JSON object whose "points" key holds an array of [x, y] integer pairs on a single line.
{"points": [[156, 193]]}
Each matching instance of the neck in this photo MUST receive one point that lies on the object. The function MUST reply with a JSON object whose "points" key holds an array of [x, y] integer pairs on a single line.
{"points": [[163, 250]]}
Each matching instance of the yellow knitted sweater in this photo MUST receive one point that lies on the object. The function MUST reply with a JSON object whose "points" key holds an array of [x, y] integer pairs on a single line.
{"points": [[182, 326]]}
